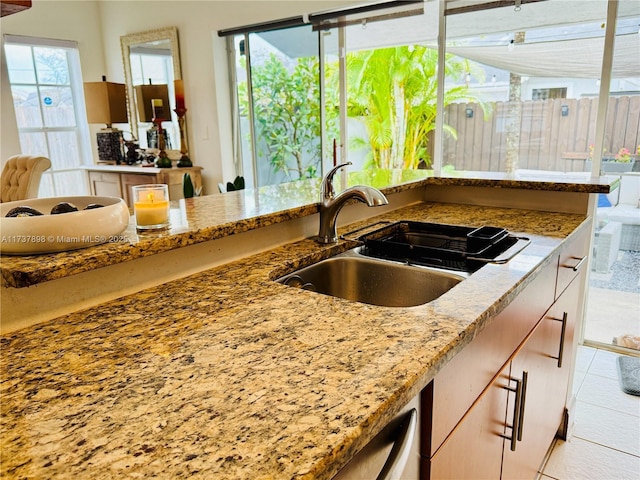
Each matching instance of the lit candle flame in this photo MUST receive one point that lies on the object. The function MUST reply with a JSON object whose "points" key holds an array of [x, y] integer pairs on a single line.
{"points": [[150, 197]]}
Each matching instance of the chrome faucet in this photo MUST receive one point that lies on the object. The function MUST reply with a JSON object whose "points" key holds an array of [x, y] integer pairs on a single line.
{"points": [[331, 204]]}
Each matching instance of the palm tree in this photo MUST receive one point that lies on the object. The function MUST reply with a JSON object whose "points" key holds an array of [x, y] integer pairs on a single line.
{"points": [[394, 91]]}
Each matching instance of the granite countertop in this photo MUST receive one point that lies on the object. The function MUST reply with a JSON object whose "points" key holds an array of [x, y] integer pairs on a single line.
{"points": [[211, 217], [226, 374]]}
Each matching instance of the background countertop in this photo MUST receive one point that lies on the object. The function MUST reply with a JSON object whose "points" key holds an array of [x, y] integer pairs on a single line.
{"points": [[211, 217]]}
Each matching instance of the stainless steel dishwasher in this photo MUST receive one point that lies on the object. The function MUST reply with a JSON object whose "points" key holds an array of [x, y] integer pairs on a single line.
{"points": [[394, 454]]}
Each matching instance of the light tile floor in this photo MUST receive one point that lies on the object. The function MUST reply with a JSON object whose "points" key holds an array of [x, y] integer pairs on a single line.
{"points": [[611, 313], [606, 440], [613, 301]]}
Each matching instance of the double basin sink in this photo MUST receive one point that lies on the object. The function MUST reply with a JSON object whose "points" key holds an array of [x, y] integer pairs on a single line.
{"points": [[406, 264]]}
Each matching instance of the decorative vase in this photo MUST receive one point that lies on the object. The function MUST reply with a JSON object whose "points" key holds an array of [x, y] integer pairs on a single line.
{"points": [[187, 186]]}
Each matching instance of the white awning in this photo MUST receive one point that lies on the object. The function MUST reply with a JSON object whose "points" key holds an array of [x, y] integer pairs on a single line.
{"points": [[578, 58]]}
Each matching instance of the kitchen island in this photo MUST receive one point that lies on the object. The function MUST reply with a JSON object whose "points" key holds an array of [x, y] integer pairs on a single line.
{"points": [[227, 374]]}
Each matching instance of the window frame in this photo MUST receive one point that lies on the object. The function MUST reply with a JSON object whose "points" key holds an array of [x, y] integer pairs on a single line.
{"points": [[49, 184]]}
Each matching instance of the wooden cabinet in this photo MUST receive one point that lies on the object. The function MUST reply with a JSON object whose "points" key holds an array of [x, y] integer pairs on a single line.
{"points": [[128, 180], [496, 407], [572, 260], [544, 362], [116, 181], [105, 184]]}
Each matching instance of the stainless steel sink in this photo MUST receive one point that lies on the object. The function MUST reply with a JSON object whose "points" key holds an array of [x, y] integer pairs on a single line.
{"points": [[374, 281]]}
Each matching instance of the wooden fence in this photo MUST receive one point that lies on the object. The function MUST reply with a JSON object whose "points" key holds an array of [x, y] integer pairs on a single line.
{"points": [[548, 139]]}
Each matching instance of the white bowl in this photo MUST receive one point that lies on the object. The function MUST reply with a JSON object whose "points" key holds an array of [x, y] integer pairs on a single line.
{"points": [[65, 231]]}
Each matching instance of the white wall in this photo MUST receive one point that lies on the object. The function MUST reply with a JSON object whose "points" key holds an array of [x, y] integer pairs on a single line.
{"points": [[98, 25]]}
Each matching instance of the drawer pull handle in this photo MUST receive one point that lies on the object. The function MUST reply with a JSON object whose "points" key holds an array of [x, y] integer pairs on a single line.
{"points": [[516, 414], [562, 336], [523, 397], [577, 266]]}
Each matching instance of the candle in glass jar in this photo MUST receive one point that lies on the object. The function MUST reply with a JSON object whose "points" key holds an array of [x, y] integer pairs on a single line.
{"points": [[179, 88], [151, 206]]}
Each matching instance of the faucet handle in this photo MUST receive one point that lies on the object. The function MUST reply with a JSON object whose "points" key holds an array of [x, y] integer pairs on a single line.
{"points": [[327, 183]]}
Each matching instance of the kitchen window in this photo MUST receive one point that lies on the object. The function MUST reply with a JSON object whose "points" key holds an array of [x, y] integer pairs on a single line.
{"points": [[46, 86]]}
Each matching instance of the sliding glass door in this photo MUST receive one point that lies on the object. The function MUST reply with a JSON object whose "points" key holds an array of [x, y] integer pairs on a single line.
{"points": [[535, 85], [358, 88], [278, 95], [613, 295]]}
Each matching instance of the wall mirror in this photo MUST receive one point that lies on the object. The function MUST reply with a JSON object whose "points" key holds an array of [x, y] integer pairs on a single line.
{"points": [[153, 55]]}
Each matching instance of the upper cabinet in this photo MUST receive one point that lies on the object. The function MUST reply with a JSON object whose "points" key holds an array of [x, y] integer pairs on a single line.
{"points": [[7, 7]]}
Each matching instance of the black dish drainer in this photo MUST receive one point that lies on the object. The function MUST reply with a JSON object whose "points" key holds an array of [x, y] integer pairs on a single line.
{"points": [[440, 245]]}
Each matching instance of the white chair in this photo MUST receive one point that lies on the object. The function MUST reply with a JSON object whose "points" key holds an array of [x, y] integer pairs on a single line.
{"points": [[21, 177]]}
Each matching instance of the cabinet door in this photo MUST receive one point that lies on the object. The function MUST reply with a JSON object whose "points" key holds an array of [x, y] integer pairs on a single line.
{"points": [[174, 178], [105, 184], [131, 179], [545, 358], [474, 448]]}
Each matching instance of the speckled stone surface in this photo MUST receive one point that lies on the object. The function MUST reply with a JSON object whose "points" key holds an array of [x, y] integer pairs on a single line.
{"points": [[228, 375], [215, 216], [193, 221]]}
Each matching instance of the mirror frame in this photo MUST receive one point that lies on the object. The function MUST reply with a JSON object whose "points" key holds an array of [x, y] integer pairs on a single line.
{"points": [[126, 41]]}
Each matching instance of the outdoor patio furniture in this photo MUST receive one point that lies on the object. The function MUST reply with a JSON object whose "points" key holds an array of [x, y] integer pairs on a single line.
{"points": [[606, 245], [629, 218], [626, 211]]}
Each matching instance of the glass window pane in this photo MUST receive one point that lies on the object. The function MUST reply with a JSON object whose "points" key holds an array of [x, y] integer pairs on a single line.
{"points": [[46, 186], [57, 106], [622, 129], [286, 101], [45, 112], [616, 239], [20, 64], [242, 139], [27, 106], [63, 148], [532, 91], [34, 143], [331, 79], [51, 65], [391, 89], [71, 183]]}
